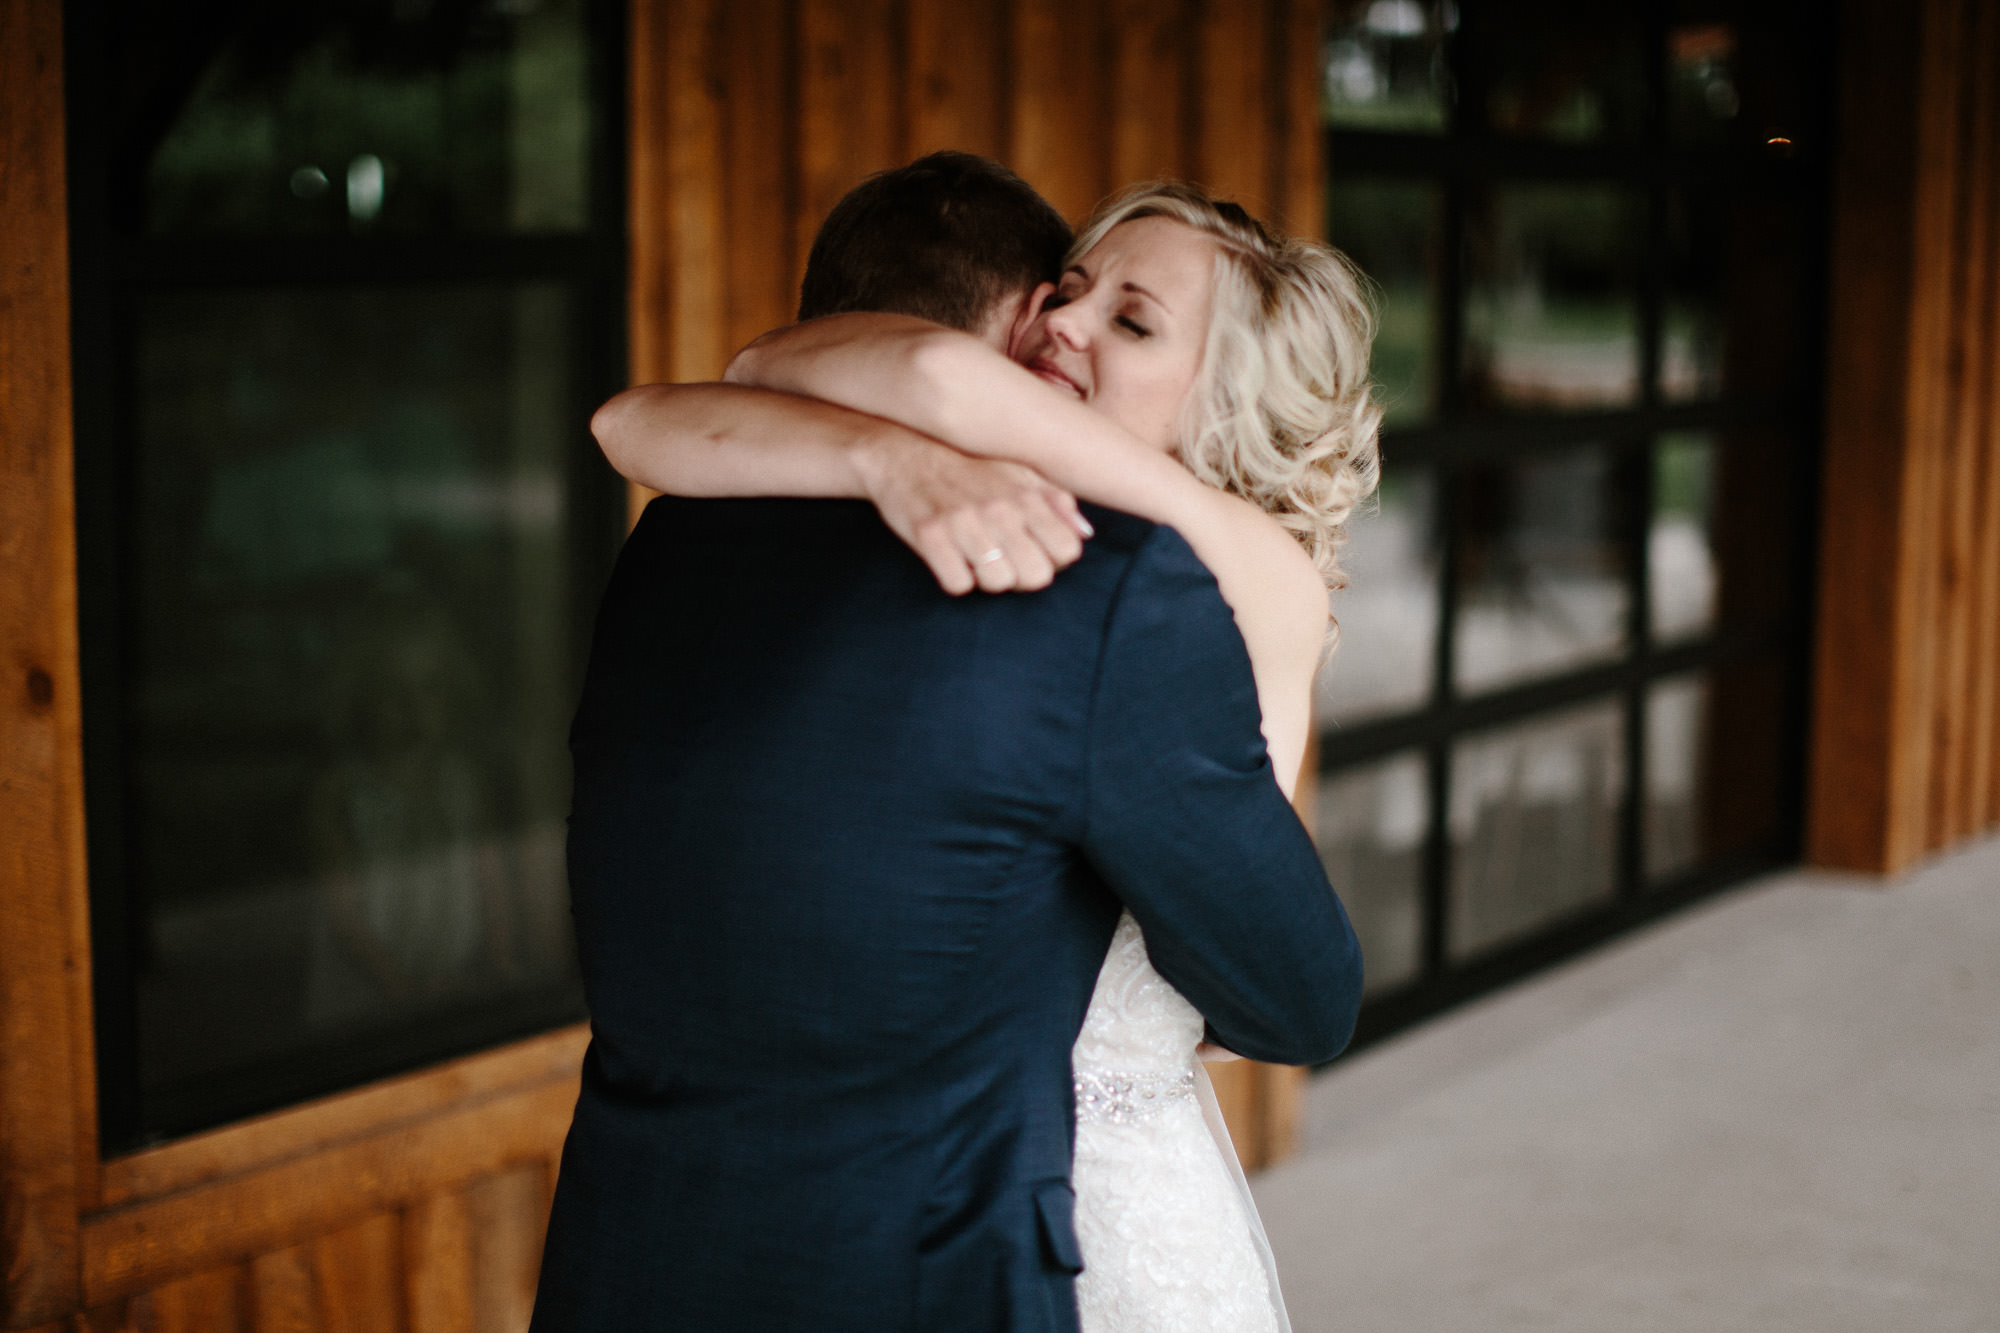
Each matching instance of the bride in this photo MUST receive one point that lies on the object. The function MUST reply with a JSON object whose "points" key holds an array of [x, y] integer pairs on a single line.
{"points": [[1191, 368]]}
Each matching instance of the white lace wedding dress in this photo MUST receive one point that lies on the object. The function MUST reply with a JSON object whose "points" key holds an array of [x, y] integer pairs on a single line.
{"points": [[1169, 1234]]}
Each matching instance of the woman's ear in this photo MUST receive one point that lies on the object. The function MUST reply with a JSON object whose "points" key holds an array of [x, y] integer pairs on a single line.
{"points": [[1031, 306]]}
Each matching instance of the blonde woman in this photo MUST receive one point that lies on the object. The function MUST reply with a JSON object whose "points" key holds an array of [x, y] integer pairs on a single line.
{"points": [[1194, 369]]}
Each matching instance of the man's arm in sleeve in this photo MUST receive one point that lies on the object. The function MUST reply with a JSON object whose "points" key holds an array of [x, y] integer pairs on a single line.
{"points": [[1186, 823]]}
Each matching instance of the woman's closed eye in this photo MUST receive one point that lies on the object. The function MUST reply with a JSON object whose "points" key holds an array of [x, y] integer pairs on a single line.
{"points": [[1133, 327]]}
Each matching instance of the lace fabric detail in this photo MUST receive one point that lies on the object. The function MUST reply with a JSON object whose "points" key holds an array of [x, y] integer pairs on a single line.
{"points": [[1121, 1097], [1166, 1235]]}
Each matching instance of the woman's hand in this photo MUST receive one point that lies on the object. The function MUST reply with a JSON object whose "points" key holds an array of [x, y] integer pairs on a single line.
{"points": [[976, 522]]}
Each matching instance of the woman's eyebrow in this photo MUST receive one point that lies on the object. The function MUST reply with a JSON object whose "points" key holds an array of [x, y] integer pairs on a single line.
{"points": [[1150, 296]]}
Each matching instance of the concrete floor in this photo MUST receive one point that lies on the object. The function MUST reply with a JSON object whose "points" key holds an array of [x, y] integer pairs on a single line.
{"points": [[1777, 1111]]}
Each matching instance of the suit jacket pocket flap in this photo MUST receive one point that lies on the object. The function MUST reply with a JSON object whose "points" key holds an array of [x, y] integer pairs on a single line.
{"points": [[1055, 1205]]}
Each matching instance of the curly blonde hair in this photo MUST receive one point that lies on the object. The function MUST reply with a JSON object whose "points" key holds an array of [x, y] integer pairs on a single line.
{"points": [[1282, 411]]}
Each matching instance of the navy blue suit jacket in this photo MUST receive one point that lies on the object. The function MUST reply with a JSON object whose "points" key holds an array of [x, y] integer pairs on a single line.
{"points": [[845, 857]]}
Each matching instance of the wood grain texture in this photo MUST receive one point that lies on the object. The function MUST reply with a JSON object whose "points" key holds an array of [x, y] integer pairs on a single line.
{"points": [[959, 54], [1148, 71], [47, 1115], [508, 1213], [1904, 744], [1056, 105], [759, 185], [211, 1302], [364, 1114], [358, 1273], [681, 38], [1236, 116], [850, 120], [283, 1294], [133, 1248], [437, 1264], [1299, 193]]}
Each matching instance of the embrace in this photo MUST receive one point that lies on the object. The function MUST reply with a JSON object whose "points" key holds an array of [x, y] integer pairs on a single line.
{"points": [[905, 915]]}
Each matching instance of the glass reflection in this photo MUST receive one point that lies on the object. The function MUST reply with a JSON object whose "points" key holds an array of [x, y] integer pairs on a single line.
{"points": [[1534, 823], [1388, 613], [1384, 65], [1541, 567], [1680, 551], [1569, 70], [1393, 230], [355, 116], [1552, 312], [350, 677], [1703, 93], [1676, 723], [1370, 824]]}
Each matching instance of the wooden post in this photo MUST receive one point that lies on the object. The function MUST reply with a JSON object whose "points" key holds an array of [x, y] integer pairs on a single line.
{"points": [[47, 1116], [1908, 664]]}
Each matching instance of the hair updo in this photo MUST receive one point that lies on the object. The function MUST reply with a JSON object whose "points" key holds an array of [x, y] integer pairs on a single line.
{"points": [[1281, 411]]}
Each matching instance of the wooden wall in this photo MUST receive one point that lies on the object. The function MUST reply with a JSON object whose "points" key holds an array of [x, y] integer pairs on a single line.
{"points": [[1906, 745], [749, 118]]}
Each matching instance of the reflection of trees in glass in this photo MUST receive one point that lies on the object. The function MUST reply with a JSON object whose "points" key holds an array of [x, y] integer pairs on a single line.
{"points": [[1552, 315], [454, 115], [1392, 230], [1384, 65], [1559, 69]]}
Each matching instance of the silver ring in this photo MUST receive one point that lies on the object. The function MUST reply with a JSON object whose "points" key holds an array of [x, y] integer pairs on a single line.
{"points": [[995, 554]]}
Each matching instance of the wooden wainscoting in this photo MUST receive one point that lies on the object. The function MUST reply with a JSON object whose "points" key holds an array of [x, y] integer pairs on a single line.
{"points": [[1906, 726]]}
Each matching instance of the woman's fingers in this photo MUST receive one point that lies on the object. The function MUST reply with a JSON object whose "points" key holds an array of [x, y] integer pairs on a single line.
{"points": [[935, 542]]}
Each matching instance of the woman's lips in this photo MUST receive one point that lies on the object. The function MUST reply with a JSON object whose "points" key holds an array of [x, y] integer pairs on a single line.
{"points": [[1048, 372]]}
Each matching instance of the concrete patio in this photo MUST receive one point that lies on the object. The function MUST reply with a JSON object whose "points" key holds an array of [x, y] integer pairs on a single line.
{"points": [[1777, 1111]]}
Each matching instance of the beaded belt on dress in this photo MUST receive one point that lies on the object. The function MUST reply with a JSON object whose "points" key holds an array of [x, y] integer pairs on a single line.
{"points": [[1120, 1097]]}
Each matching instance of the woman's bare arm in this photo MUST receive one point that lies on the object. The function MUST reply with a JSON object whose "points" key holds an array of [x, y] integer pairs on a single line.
{"points": [[957, 389], [730, 439]]}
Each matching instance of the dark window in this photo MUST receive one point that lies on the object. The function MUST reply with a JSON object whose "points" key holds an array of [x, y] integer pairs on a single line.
{"points": [[348, 282], [1570, 687]]}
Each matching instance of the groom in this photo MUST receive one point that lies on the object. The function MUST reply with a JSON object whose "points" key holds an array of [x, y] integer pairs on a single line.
{"points": [[846, 854]]}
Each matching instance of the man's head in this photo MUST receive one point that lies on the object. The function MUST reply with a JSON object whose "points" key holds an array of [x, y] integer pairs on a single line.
{"points": [[952, 238]]}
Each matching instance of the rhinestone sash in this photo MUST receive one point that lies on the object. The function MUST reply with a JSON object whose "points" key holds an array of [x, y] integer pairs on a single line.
{"points": [[1120, 1097]]}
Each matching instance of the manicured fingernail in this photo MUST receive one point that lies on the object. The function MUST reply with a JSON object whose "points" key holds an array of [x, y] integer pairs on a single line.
{"points": [[1083, 526]]}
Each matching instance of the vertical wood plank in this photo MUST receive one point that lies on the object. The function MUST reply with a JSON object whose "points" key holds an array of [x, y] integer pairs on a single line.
{"points": [[437, 1265], [1300, 196], [759, 162], [1983, 798], [850, 116], [117, 1317], [282, 1297], [1147, 91], [47, 1115], [1057, 135], [358, 1274], [1851, 772], [205, 1303], [680, 39], [509, 1214], [959, 55], [1233, 141]]}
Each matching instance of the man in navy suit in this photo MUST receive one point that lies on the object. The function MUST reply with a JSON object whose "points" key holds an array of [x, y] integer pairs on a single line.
{"points": [[846, 854]]}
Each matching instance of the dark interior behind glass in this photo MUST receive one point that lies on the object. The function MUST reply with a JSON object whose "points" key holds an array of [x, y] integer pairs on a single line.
{"points": [[347, 287]]}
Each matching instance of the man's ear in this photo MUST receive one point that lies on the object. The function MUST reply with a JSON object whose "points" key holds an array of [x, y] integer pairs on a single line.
{"points": [[1024, 314]]}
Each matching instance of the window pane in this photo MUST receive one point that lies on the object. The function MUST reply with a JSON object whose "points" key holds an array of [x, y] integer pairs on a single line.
{"points": [[1680, 551], [1570, 70], [1385, 65], [1676, 713], [1393, 230], [1704, 97], [1734, 73], [1542, 567], [1734, 267], [1388, 613], [1552, 312], [1534, 823], [350, 672], [1370, 826], [358, 117]]}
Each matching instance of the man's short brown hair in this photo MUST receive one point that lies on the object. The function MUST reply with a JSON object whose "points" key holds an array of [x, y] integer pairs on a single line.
{"points": [[942, 239]]}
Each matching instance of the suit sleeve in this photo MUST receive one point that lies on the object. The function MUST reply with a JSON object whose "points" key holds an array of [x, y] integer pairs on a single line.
{"points": [[1185, 822]]}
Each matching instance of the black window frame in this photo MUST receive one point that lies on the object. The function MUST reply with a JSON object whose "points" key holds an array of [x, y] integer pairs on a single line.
{"points": [[111, 270], [1465, 156]]}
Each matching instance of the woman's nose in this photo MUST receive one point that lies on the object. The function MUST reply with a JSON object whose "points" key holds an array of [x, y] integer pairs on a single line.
{"points": [[1066, 326]]}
